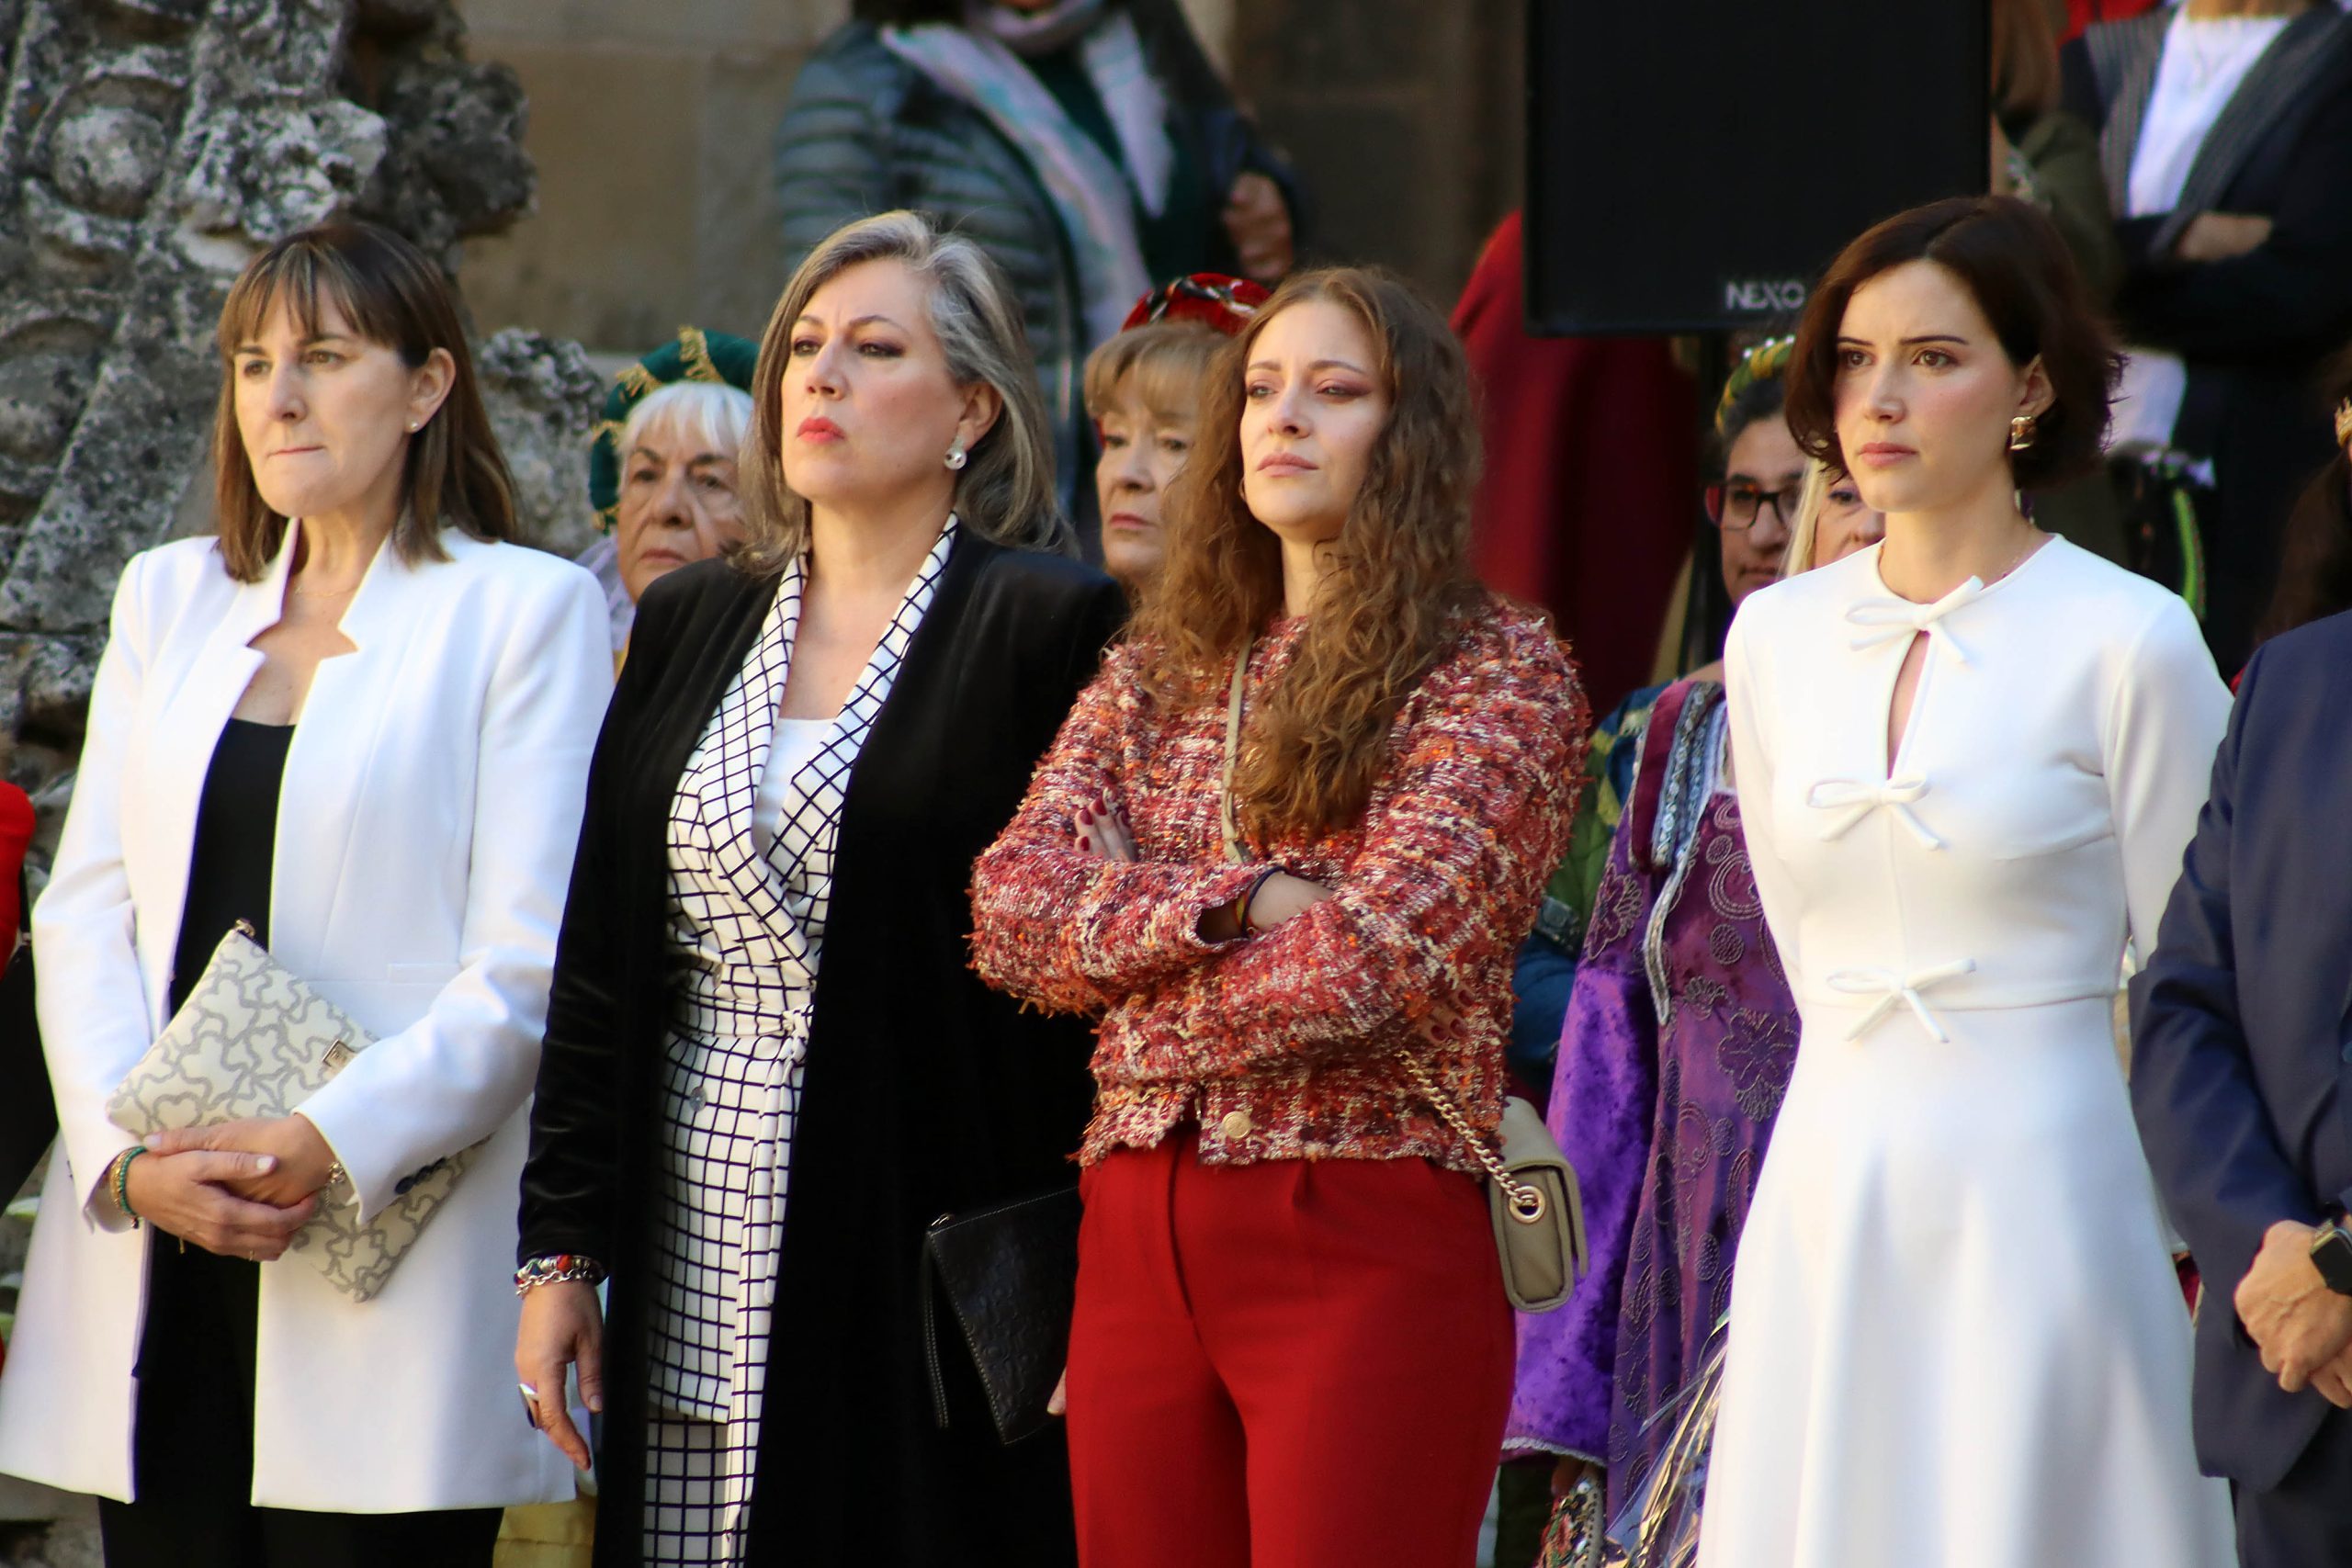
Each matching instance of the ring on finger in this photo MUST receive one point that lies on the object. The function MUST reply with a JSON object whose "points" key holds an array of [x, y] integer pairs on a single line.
{"points": [[530, 1403]]}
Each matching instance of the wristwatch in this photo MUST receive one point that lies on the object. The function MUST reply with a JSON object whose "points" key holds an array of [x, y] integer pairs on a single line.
{"points": [[2332, 1255]]}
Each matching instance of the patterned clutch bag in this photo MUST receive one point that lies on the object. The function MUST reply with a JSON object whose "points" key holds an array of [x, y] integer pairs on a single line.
{"points": [[253, 1040]]}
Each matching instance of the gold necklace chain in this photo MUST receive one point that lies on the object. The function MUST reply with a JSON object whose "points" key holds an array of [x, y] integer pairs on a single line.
{"points": [[2035, 537]]}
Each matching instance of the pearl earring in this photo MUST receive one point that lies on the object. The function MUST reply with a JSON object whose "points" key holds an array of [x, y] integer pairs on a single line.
{"points": [[957, 457]]}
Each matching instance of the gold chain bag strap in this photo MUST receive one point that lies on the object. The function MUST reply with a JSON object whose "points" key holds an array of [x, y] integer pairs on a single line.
{"points": [[1532, 1191]]}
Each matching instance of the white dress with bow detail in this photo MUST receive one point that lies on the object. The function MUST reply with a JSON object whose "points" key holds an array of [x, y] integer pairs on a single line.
{"points": [[1956, 1338]]}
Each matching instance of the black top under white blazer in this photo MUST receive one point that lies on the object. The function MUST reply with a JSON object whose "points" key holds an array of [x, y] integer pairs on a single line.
{"points": [[923, 1091]]}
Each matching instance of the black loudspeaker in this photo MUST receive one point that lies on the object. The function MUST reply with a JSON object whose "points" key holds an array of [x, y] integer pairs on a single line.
{"points": [[1693, 167]]}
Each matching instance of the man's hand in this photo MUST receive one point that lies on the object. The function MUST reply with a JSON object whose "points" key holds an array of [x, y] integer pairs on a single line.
{"points": [[2298, 1322], [2333, 1381], [2220, 236], [1258, 222]]}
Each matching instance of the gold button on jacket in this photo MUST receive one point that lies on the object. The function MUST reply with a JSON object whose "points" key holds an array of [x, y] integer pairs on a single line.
{"points": [[1234, 1124]]}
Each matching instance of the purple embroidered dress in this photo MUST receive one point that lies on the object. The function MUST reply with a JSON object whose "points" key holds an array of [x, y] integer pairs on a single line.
{"points": [[1679, 1039]]}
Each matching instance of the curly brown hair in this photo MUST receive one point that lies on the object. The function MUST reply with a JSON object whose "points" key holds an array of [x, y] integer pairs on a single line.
{"points": [[1401, 583]]}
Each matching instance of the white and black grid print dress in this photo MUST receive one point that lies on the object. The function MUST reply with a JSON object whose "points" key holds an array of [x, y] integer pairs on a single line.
{"points": [[752, 829]]}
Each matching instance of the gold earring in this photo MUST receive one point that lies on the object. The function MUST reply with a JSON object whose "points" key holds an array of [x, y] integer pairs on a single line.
{"points": [[2020, 432]]}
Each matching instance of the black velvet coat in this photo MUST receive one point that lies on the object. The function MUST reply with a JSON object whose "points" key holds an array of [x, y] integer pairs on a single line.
{"points": [[925, 1092]]}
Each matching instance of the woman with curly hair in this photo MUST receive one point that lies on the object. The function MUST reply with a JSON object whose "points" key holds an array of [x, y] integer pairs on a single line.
{"points": [[1285, 846]]}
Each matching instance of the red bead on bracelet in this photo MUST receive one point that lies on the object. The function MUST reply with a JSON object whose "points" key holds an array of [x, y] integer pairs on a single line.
{"points": [[557, 1269]]}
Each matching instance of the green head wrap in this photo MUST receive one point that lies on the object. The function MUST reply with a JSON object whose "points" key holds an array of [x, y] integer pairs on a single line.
{"points": [[697, 355], [1767, 361]]}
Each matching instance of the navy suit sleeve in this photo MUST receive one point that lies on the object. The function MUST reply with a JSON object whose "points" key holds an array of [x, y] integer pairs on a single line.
{"points": [[2207, 1133]]}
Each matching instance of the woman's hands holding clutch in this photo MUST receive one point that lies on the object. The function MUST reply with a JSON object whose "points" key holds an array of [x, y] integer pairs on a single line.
{"points": [[194, 1195], [299, 1157]]}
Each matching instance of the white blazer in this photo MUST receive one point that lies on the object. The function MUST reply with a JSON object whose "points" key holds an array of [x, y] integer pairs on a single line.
{"points": [[425, 827]]}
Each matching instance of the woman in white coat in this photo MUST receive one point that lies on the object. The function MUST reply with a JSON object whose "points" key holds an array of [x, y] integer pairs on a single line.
{"points": [[367, 732]]}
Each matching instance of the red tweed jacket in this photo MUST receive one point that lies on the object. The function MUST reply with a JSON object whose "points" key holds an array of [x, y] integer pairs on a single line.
{"points": [[1282, 1045]]}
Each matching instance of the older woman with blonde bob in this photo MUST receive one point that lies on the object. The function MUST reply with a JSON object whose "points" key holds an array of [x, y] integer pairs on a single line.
{"points": [[1143, 391], [358, 721], [767, 1068], [1291, 1342]]}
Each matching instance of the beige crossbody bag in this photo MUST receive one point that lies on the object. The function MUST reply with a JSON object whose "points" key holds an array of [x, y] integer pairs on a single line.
{"points": [[1531, 1189]]}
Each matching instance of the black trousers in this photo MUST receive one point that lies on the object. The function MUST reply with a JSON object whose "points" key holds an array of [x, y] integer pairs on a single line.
{"points": [[192, 1454], [2306, 1520]]}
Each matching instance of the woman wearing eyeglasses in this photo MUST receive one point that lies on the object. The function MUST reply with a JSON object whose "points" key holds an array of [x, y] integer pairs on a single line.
{"points": [[1754, 505]]}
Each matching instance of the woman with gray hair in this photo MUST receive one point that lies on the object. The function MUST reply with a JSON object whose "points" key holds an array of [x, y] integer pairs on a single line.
{"points": [[767, 1068]]}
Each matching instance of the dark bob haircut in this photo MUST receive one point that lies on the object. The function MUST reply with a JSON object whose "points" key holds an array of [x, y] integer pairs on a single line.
{"points": [[2012, 262], [390, 295]]}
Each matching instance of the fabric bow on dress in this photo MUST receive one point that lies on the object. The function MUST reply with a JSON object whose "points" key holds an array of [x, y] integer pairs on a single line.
{"points": [[1885, 619], [1895, 989], [1853, 799]]}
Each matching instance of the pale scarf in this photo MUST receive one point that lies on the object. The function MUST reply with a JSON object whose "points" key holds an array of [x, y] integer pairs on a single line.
{"points": [[980, 63]]}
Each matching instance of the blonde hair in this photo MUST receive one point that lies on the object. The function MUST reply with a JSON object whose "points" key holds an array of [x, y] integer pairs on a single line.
{"points": [[1811, 501], [1169, 362], [1005, 492]]}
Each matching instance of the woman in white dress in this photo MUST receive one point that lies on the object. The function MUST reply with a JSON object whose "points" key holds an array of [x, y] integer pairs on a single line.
{"points": [[1969, 759]]}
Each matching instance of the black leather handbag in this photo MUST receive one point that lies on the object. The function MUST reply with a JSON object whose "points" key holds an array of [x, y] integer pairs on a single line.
{"points": [[1010, 1273]]}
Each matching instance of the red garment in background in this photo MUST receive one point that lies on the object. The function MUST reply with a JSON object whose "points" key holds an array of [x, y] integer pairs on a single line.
{"points": [[2081, 14], [1593, 473], [16, 838]]}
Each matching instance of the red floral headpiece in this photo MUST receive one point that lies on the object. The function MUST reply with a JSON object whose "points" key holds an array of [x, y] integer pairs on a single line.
{"points": [[1209, 298]]}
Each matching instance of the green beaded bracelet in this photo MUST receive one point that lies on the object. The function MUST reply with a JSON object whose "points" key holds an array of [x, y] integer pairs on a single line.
{"points": [[122, 1182]]}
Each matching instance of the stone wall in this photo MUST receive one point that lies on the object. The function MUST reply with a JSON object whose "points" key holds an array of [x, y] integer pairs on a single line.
{"points": [[652, 129], [650, 126], [147, 148]]}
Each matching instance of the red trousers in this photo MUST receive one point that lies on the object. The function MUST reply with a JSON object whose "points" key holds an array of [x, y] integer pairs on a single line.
{"points": [[1298, 1364]]}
